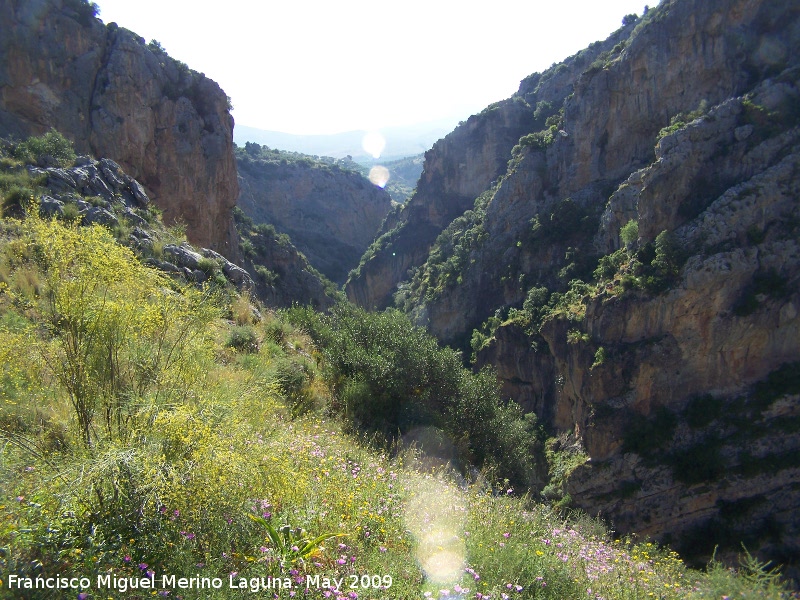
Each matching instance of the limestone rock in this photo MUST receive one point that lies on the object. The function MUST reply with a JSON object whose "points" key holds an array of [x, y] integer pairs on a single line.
{"points": [[686, 127], [114, 96], [182, 256], [330, 214], [50, 207]]}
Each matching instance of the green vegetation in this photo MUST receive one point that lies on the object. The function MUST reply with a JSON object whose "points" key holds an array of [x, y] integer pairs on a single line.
{"points": [[258, 243], [565, 221], [151, 428], [392, 378], [253, 152], [768, 123], [629, 233], [542, 139], [765, 284], [600, 357], [781, 382], [82, 10], [654, 267], [702, 410], [243, 339], [680, 120], [539, 306], [403, 172], [564, 455], [699, 463], [647, 436], [52, 147], [380, 243], [604, 59], [449, 256]]}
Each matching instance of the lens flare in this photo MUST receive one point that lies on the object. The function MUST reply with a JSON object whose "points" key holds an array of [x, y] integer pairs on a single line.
{"points": [[379, 175], [374, 143], [436, 513]]}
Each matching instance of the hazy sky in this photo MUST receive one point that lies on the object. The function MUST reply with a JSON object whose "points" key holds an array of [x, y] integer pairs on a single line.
{"points": [[325, 66]]}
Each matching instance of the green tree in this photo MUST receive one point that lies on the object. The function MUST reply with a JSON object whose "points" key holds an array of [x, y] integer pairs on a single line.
{"points": [[629, 233]]}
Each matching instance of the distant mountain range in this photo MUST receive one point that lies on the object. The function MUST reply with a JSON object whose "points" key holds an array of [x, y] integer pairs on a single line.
{"points": [[400, 141]]}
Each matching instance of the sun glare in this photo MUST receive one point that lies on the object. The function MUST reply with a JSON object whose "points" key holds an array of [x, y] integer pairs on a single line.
{"points": [[435, 515], [374, 143]]}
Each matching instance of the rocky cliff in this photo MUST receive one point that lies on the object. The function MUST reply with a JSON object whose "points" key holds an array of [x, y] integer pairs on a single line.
{"points": [[115, 96], [633, 271], [456, 171], [330, 213]]}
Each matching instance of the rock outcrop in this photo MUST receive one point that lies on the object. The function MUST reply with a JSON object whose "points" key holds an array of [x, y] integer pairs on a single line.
{"points": [[115, 96], [330, 213], [100, 192], [674, 363]]}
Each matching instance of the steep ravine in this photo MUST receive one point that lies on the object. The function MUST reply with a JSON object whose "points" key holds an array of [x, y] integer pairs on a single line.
{"points": [[330, 213], [675, 365]]}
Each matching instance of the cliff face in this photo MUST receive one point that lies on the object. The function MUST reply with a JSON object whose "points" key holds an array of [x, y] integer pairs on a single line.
{"points": [[331, 214], [456, 170], [114, 96], [674, 363]]}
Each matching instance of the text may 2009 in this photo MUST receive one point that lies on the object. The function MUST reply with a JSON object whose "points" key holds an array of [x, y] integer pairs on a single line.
{"points": [[153, 582]]}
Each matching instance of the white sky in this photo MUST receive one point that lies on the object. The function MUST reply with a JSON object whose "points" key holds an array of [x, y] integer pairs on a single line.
{"points": [[326, 66]]}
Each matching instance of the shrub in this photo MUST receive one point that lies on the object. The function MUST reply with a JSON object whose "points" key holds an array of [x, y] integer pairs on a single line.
{"points": [[780, 382], [539, 140], [768, 283], [599, 357], [390, 377], [645, 436], [247, 247], [629, 233], [120, 332], [575, 336], [243, 339], [567, 220], [609, 265], [702, 410], [40, 150], [84, 11], [293, 379], [267, 276], [699, 463]]}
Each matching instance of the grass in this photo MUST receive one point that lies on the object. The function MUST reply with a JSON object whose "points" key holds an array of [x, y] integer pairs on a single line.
{"points": [[204, 448]]}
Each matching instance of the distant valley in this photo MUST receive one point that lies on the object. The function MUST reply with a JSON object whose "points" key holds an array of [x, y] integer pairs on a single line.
{"points": [[400, 141]]}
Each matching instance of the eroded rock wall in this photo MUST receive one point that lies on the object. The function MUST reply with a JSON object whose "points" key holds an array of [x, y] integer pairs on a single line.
{"points": [[330, 214], [115, 96], [684, 392]]}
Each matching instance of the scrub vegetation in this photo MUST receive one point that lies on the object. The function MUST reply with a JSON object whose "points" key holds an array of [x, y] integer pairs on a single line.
{"points": [[156, 435]]}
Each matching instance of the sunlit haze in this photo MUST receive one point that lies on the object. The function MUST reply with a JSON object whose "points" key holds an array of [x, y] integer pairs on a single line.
{"points": [[319, 67]]}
